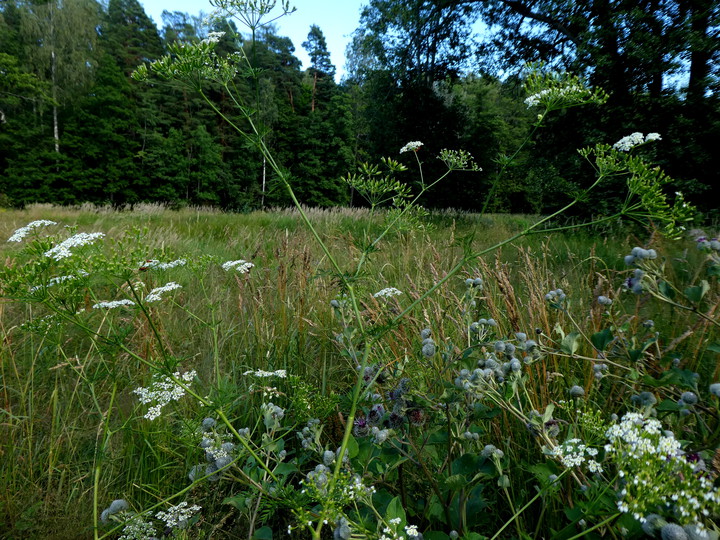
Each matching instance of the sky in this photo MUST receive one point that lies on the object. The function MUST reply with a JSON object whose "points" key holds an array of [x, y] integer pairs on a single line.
{"points": [[338, 19]]}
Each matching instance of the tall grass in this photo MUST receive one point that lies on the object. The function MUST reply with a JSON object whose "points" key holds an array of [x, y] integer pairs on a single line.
{"points": [[71, 435]]}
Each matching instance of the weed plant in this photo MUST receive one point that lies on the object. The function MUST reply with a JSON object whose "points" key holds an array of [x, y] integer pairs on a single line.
{"points": [[362, 373]]}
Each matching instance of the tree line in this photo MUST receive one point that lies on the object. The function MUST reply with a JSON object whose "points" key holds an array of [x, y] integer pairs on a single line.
{"points": [[74, 126]]}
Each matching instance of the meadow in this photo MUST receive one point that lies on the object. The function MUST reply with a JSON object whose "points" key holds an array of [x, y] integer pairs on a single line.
{"points": [[199, 374]]}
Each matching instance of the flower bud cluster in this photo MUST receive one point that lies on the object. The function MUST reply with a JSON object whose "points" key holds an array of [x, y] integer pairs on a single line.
{"points": [[556, 297], [639, 254], [634, 283], [310, 435], [428, 345], [272, 414], [599, 370]]}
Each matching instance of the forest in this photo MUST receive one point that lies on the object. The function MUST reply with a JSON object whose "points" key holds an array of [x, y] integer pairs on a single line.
{"points": [[75, 127]]}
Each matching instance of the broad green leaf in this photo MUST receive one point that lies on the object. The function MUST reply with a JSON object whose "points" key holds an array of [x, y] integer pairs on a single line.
{"points": [[395, 510], [666, 290], [352, 449], [696, 293], [601, 339], [571, 343], [263, 533]]}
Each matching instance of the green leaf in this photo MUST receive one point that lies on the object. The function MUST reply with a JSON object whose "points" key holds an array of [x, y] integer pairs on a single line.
{"points": [[548, 413], [455, 482], [238, 501], [352, 448], [713, 270], [263, 533], [696, 293], [666, 290], [674, 377], [395, 510], [283, 469], [601, 339], [571, 343], [668, 405], [714, 347]]}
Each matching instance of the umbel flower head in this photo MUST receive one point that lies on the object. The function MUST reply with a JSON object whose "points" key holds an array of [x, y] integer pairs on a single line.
{"points": [[22, 232], [412, 146]]}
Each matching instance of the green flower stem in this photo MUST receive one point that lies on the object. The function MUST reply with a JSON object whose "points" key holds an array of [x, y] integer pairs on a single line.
{"points": [[98, 466], [527, 505], [602, 523], [507, 162]]}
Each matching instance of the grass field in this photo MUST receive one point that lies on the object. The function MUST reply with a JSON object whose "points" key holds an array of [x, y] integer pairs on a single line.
{"points": [[451, 452]]}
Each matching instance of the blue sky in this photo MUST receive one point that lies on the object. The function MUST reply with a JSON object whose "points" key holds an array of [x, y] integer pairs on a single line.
{"points": [[336, 18]]}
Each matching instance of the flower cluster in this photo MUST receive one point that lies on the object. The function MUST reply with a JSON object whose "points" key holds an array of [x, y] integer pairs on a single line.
{"points": [[281, 373], [156, 294], [60, 279], [157, 265], [635, 139], [387, 293], [272, 414], [113, 304], [241, 266], [574, 453], [62, 250], [557, 296], [412, 146], [138, 528], [116, 507], [634, 282], [310, 435], [639, 254], [178, 515], [428, 345], [163, 390], [22, 232], [650, 461]]}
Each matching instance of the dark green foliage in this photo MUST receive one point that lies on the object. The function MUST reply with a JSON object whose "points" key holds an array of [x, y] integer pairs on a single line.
{"points": [[416, 72]]}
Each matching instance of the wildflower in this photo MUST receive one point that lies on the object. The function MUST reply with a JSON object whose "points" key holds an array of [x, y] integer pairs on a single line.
{"points": [[138, 528], [715, 389], [62, 250], [241, 266], [412, 146], [213, 37], [178, 516], [208, 423], [604, 300], [61, 279], [281, 373], [689, 397], [342, 530], [673, 531], [630, 141], [162, 391], [577, 391], [156, 294], [22, 232], [113, 304], [117, 506], [557, 296], [387, 293], [155, 264]]}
